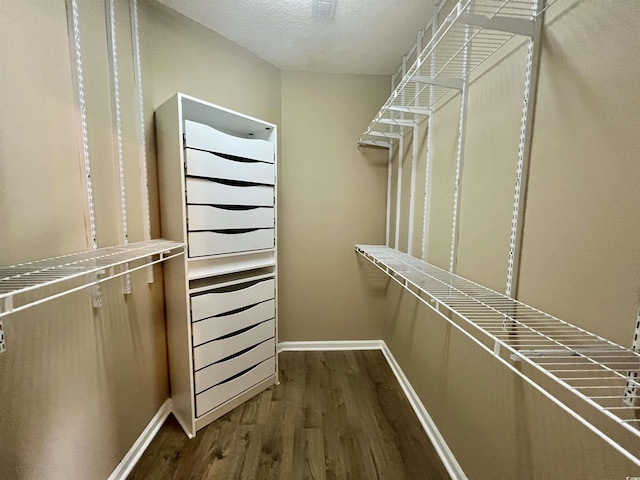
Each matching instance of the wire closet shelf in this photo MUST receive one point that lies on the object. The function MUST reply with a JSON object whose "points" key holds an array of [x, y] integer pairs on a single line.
{"points": [[472, 32], [562, 357], [88, 268]]}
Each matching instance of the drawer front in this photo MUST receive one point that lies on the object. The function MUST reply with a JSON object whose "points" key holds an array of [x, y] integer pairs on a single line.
{"points": [[207, 217], [204, 137], [213, 193], [207, 164], [202, 244], [216, 302], [223, 392], [216, 327], [212, 352], [221, 371]]}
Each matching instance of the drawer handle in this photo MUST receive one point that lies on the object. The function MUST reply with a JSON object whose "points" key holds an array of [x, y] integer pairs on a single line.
{"points": [[228, 156], [237, 332], [233, 377], [230, 183], [235, 208], [237, 354], [244, 308], [234, 231]]}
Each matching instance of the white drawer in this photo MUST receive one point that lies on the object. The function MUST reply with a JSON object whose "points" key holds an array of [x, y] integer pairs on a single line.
{"points": [[216, 327], [214, 351], [214, 243], [209, 399], [221, 371], [206, 164], [204, 137], [217, 302], [208, 217], [200, 190]]}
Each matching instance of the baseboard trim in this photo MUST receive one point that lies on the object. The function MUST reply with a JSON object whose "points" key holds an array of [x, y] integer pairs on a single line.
{"points": [[331, 345], [135, 452], [440, 445], [446, 455]]}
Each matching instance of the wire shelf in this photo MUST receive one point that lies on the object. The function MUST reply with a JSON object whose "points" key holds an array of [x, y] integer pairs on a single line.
{"points": [[599, 372], [471, 33], [18, 280]]}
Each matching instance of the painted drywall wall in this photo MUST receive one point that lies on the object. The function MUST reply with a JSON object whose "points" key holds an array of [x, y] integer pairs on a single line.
{"points": [[181, 55], [579, 258], [77, 385], [331, 197]]}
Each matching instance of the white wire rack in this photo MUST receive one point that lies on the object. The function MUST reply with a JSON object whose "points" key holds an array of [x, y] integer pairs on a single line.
{"points": [[86, 268], [471, 33], [564, 361]]}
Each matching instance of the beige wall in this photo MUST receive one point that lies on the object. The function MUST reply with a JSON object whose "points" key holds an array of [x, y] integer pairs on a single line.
{"points": [[181, 55], [580, 255], [332, 196], [77, 385]]}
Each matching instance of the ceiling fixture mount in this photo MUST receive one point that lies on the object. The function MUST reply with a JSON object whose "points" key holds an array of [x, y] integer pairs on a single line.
{"points": [[324, 8]]}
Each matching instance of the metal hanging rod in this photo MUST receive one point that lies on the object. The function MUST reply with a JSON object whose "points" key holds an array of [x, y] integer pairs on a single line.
{"points": [[471, 33], [585, 365]]}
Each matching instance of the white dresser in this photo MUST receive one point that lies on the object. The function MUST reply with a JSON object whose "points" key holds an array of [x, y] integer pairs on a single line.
{"points": [[217, 175]]}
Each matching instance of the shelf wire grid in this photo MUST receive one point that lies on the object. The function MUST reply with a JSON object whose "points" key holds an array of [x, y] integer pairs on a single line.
{"points": [[444, 58], [31, 276], [591, 367]]}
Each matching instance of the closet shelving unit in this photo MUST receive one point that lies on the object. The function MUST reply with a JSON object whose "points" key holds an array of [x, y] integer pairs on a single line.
{"points": [[29, 284], [592, 379], [471, 33], [560, 358]]}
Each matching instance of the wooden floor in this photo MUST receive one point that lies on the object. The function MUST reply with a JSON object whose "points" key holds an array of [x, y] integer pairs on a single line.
{"points": [[335, 415]]}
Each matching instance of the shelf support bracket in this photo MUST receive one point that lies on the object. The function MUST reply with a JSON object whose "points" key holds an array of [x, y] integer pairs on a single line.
{"points": [[374, 143], [399, 122], [3, 344], [518, 26], [126, 280], [414, 110], [6, 306], [396, 136], [632, 389], [447, 82], [96, 292]]}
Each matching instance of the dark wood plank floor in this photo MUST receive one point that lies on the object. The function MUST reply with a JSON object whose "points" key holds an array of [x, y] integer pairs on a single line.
{"points": [[335, 415]]}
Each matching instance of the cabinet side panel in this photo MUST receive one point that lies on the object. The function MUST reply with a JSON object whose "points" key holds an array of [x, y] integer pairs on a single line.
{"points": [[179, 343], [172, 215], [170, 170]]}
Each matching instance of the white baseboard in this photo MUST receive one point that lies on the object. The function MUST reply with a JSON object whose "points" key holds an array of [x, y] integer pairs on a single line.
{"points": [[447, 457], [331, 345], [135, 452]]}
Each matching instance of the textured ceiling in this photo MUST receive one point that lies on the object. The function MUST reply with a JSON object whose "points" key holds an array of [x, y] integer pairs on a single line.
{"points": [[365, 36]]}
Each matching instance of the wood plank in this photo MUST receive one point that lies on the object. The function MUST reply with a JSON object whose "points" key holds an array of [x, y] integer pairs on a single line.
{"points": [[335, 415]]}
